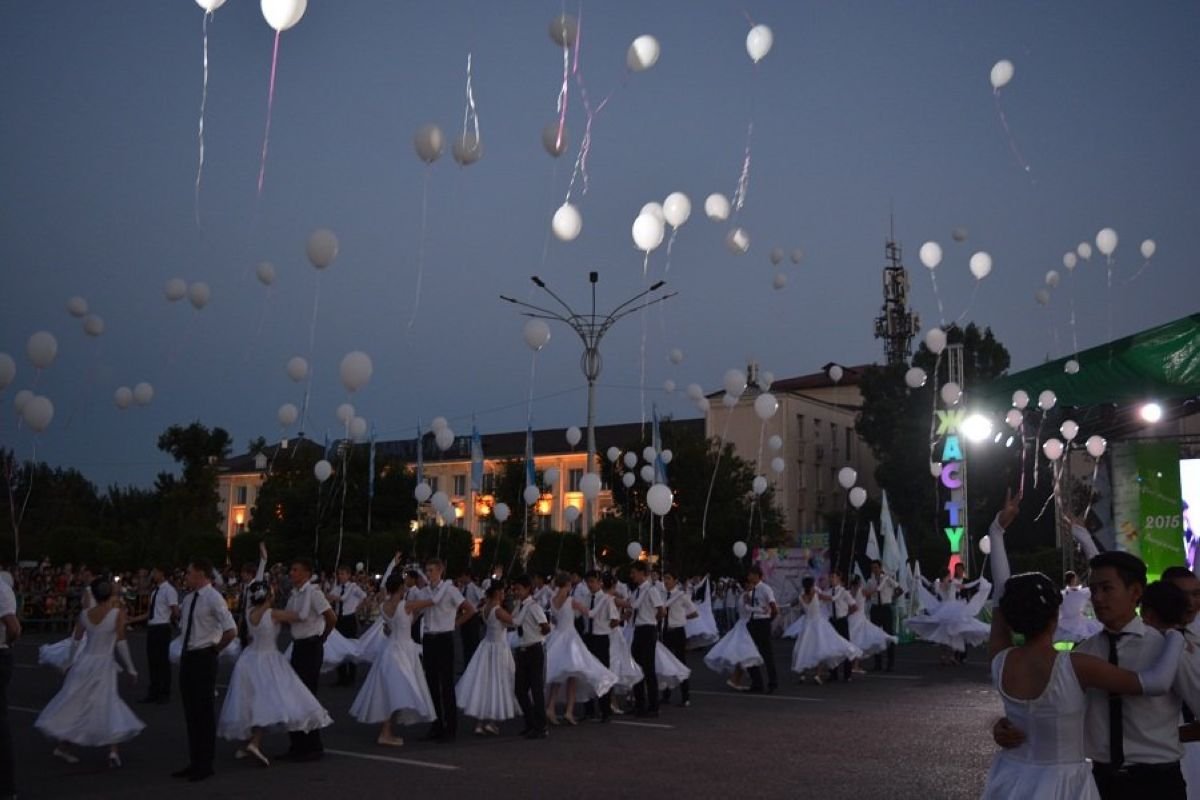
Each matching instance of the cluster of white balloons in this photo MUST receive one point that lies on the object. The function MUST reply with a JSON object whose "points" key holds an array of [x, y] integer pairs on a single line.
{"points": [[141, 394], [776, 257], [649, 227], [198, 293], [443, 434], [847, 478], [93, 324], [980, 263], [35, 410]]}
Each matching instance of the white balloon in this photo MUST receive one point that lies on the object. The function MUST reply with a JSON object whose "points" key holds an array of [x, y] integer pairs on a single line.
{"points": [[765, 379], [931, 254], [42, 349], [553, 140], [758, 485], [288, 414], [631, 460], [123, 397], [776, 255], [915, 377], [358, 429], [1069, 430], [20, 399], [210, 5], [797, 256], [649, 454], [647, 473], [778, 465], [985, 545], [1106, 241], [550, 477], [1020, 399], [429, 143], [143, 393], [564, 29], [775, 442], [702, 405], [572, 514], [1148, 248], [739, 549], [566, 223], [1053, 448], [935, 468], [283, 14], [716, 206], [531, 494], [758, 42], [951, 393], [655, 210], [935, 340], [1071, 367], [1042, 296], [77, 306], [857, 496], [265, 272], [613, 454], [8, 370], [424, 491], [669, 386], [634, 550], [666, 456], [734, 382], [628, 479], [444, 439], [981, 265], [93, 325], [1053, 278], [536, 333], [501, 512], [1046, 400], [643, 53], [728, 400], [175, 289], [322, 248], [297, 368], [574, 435], [1096, 446], [356, 369], [38, 413], [676, 209], [440, 500], [322, 470], [847, 477], [199, 294], [959, 234], [779, 281], [694, 391], [438, 423], [765, 406], [1070, 260], [1002, 73], [345, 413], [836, 373], [466, 148], [1084, 250], [647, 232], [675, 356], [1014, 418], [737, 241]]}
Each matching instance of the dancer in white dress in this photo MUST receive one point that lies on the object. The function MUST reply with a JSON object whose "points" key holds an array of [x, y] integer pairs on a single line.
{"points": [[620, 656], [819, 645], [1073, 625], [395, 688], [1044, 690], [57, 654], [735, 652], [88, 711], [702, 631], [264, 691], [568, 660], [486, 689], [949, 620], [864, 634]]}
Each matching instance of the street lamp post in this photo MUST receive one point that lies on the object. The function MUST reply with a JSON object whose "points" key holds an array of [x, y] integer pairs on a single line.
{"points": [[590, 328]]}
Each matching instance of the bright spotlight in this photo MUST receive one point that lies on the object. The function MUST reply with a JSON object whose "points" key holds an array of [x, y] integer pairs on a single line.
{"points": [[976, 427], [1009, 442], [1151, 412]]}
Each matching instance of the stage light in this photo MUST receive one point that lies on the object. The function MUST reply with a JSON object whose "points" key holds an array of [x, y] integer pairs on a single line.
{"points": [[1151, 412], [976, 427], [1009, 442]]}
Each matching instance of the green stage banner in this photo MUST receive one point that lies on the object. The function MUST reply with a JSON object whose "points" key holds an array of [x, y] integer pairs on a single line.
{"points": [[1147, 503]]}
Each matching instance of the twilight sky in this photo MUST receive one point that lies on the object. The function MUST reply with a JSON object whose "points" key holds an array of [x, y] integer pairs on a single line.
{"points": [[859, 106]]}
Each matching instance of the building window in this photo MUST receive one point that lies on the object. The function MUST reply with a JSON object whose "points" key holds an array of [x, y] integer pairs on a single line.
{"points": [[489, 483], [460, 485], [820, 481], [816, 429], [800, 427], [432, 480], [573, 478], [241, 493], [849, 443]]}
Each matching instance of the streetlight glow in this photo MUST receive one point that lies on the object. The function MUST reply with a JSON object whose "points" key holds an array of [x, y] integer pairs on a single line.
{"points": [[1151, 412], [976, 427]]}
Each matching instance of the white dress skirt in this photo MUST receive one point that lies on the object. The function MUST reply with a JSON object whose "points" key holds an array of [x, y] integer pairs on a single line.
{"points": [[621, 663], [265, 692], [568, 657], [56, 654], [735, 649], [820, 645], [372, 642], [88, 710], [866, 635], [485, 690], [670, 670], [702, 631], [952, 623], [1073, 625], [229, 655], [395, 687], [337, 650]]}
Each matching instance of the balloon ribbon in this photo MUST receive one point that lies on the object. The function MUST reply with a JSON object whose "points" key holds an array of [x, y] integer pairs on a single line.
{"points": [[262, 167]]}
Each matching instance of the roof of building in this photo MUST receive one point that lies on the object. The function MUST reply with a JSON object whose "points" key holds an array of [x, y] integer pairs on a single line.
{"points": [[851, 376]]}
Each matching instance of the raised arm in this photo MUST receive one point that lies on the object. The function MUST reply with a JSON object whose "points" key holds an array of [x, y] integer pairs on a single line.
{"points": [[1000, 636], [262, 561]]}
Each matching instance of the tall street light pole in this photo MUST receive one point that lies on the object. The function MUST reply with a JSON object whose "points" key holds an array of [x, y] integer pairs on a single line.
{"points": [[590, 327]]}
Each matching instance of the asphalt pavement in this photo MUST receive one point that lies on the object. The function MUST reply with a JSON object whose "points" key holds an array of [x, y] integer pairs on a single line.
{"points": [[922, 731]]}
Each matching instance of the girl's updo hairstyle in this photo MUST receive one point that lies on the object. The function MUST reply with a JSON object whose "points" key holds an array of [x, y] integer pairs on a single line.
{"points": [[102, 589], [259, 592], [807, 583], [1030, 603], [394, 582]]}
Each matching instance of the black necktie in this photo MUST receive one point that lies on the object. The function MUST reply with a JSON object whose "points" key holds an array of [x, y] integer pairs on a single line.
{"points": [[592, 607], [153, 598], [753, 591], [1116, 733], [187, 631]]}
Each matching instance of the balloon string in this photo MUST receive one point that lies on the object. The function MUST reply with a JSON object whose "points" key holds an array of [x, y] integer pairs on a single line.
{"points": [[421, 248], [970, 303], [743, 185], [1140, 270], [1071, 298], [1056, 472], [590, 113], [1091, 491], [564, 90], [1012, 143], [262, 318], [532, 375], [1024, 458], [262, 166], [642, 382], [203, 104], [938, 296], [1109, 270], [1037, 438], [470, 113], [312, 338], [713, 481]]}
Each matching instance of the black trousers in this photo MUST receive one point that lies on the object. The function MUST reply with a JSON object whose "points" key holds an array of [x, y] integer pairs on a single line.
{"points": [[197, 683], [597, 645], [438, 655], [7, 767], [842, 626], [760, 632], [530, 685], [675, 640], [471, 632], [347, 671], [882, 616], [307, 655], [158, 645], [1140, 781], [645, 692]]}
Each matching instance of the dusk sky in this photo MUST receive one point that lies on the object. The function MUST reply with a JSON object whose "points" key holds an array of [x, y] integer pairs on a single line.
{"points": [[859, 107]]}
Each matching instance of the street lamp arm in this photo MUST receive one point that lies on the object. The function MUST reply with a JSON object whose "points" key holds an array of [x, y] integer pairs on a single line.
{"points": [[614, 316], [540, 311], [542, 285]]}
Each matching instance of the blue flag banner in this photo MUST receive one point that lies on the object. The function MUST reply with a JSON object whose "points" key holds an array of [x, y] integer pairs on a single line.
{"points": [[371, 467], [530, 473], [660, 467], [420, 455], [476, 460]]}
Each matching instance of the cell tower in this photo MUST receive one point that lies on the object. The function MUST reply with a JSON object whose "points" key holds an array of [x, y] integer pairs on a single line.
{"points": [[897, 324]]}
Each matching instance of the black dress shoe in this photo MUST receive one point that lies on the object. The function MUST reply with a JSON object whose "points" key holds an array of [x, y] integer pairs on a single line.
{"points": [[200, 775], [186, 772], [536, 734]]}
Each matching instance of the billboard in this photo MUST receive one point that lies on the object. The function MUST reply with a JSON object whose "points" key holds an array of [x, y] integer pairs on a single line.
{"points": [[1189, 484], [1148, 503]]}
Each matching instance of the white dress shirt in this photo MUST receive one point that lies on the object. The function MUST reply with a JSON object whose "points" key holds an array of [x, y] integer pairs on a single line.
{"points": [[473, 593], [542, 597], [8, 605], [528, 620], [207, 616], [1150, 723], [758, 601], [840, 600], [679, 606], [602, 612], [884, 589], [349, 596], [310, 605], [646, 602], [163, 598], [439, 617]]}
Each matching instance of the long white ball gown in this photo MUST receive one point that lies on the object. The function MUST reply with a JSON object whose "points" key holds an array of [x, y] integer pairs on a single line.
{"points": [[265, 692], [1050, 765], [951, 622], [864, 634], [229, 655], [568, 657], [1073, 625], [702, 631], [372, 642], [336, 651], [485, 690], [56, 654], [87, 710], [819, 644], [735, 649], [395, 687], [621, 663], [670, 670]]}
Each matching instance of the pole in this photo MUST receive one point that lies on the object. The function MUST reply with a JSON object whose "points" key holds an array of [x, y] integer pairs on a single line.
{"points": [[589, 507]]}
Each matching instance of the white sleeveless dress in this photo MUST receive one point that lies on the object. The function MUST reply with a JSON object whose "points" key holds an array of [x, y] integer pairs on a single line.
{"points": [[265, 692], [864, 634], [485, 690], [1050, 765], [395, 687], [568, 657], [87, 710], [1073, 625], [819, 644], [735, 649]]}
